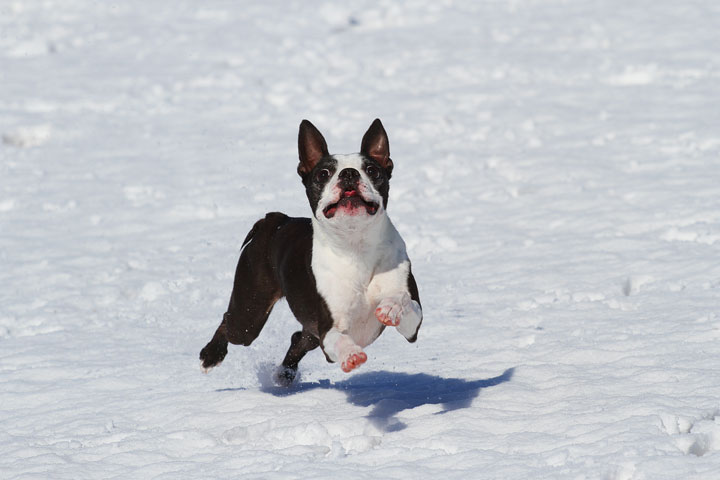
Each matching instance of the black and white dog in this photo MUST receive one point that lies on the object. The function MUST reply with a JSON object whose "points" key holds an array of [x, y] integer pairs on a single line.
{"points": [[345, 272]]}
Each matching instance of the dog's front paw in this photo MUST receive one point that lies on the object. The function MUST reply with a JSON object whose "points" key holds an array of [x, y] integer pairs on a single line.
{"points": [[402, 312], [353, 360], [391, 310]]}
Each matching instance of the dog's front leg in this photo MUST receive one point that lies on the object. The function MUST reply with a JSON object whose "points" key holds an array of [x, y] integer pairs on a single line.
{"points": [[339, 347], [398, 301], [402, 312]]}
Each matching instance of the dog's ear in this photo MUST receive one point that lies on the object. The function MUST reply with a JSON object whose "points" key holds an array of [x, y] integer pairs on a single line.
{"points": [[311, 147], [376, 146]]}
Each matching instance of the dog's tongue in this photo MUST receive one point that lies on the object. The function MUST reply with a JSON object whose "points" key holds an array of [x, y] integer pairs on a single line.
{"points": [[350, 193]]}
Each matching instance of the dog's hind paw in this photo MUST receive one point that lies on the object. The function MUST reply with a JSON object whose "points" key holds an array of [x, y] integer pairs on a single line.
{"points": [[205, 369], [284, 376], [212, 355]]}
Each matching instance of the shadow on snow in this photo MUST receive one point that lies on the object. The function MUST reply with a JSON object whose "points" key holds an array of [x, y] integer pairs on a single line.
{"points": [[390, 393]]}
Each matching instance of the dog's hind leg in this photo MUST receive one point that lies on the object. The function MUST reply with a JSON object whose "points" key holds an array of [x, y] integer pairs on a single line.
{"points": [[214, 352], [255, 291], [300, 344]]}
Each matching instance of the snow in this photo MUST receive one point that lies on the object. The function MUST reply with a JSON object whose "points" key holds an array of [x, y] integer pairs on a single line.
{"points": [[556, 182]]}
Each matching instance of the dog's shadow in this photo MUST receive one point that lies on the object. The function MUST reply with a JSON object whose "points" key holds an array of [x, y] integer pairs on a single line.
{"points": [[390, 393]]}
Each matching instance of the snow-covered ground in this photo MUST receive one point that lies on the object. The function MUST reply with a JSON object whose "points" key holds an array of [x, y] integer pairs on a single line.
{"points": [[557, 182]]}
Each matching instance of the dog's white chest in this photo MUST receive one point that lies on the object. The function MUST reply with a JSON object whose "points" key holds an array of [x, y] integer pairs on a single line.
{"points": [[345, 284], [353, 280]]}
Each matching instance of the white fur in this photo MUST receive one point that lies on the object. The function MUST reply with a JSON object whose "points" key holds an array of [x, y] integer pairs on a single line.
{"points": [[403, 312], [359, 261], [342, 345]]}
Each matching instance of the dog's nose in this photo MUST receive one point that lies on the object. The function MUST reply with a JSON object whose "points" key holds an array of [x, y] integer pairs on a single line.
{"points": [[349, 175]]}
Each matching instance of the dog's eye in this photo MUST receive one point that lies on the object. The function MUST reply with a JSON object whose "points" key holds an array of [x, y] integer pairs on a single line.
{"points": [[322, 175], [372, 172]]}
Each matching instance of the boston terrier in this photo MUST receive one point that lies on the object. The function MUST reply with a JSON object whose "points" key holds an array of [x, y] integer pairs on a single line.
{"points": [[344, 272]]}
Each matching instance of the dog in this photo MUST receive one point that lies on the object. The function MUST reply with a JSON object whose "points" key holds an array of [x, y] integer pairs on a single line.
{"points": [[344, 272]]}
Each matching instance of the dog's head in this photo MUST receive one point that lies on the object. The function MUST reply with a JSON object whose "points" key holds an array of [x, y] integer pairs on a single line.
{"points": [[340, 187]]}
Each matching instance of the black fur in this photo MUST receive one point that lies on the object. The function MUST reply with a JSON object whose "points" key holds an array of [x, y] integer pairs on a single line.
{"points": [[314, 185], [381, 181], [275, 262]]}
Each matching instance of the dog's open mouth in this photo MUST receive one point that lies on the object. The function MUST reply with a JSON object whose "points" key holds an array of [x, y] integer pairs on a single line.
{"points": [[351, 203]]}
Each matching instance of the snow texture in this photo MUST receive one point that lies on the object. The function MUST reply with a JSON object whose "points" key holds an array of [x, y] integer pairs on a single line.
{"points": [[557, 181]]}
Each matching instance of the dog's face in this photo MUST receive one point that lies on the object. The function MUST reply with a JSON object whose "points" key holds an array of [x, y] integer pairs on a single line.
{"points": [[344, 188]]}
